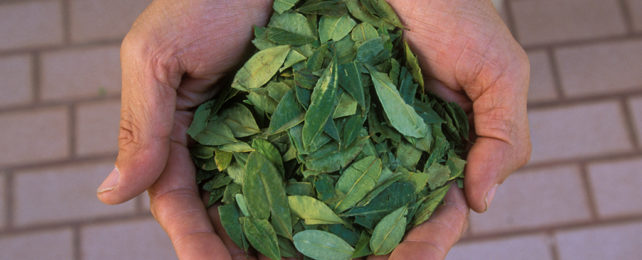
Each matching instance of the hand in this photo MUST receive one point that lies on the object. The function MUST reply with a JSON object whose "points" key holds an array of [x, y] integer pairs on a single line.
{"points": [[172, 56], [466, 49]]}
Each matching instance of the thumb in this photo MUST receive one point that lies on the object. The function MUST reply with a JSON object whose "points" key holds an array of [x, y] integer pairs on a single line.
{"points": [[147, 111]]}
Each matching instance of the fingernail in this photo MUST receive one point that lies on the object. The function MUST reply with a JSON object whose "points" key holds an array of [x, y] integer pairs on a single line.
{"points": [[490, 195], [110, 182]]}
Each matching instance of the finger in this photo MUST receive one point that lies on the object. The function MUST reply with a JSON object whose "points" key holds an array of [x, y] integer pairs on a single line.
{"points": [[148, 102], [235, 251], [434, 238], [177, 207], [503, 140]]}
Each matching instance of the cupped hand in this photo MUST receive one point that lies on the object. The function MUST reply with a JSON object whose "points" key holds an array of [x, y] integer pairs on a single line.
{"points": [[472, 59], [174, 53]]}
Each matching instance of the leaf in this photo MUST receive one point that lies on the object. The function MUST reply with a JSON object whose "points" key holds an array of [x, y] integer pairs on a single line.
{"points": [[289, 28], [281, 6], [347, 106], [265, 192], [260, 68], [363, 32], [321, 106], [372, 51], [323, 7], [430, 204], [313, 211], [270, 152], [335, 27], [299, 188], [322, 245], [240, 120], [293, 57], [389, 232], [362, 248], [201, 116], [287, 114], [438, 175], [261, 236], [240, 201], [357, 180], [239, 147], [261, 41], [350, 81], [216, 133], [230, 221], [456, 166], [382, 9], [351, 129], [408, 155], [402, 116], [202, 151], [407, 88], [413, 64], [329, 159], [357, 10]]}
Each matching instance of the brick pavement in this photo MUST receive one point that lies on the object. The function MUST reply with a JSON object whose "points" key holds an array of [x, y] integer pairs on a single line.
{"points": [[579, 197]]}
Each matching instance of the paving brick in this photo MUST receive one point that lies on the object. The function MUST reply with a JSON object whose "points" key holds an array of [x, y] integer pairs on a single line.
{"points": [[144, 198], [103, 19], [539, 22], [97, 127], [635, 8], [50, 244], [3, 200], [30, 24], [34, 135], [534, 247], [542, 85], [600, 68], [578, 131], [535, 198], [620, 242], [64, 193], [140, 239], [635, 106], [80, 73], [616, 187], [15, 72]]}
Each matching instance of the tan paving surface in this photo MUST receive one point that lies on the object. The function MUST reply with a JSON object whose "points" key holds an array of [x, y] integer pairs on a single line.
{"points": [[580, 197]]}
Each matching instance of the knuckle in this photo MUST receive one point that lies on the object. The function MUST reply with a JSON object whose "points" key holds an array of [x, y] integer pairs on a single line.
{"points": [[129, 136]]}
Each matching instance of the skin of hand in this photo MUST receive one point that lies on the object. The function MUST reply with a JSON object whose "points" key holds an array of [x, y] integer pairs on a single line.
{"points": [[177, 50]]}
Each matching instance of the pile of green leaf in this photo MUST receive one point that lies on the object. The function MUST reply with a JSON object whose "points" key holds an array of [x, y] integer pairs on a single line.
{"points": [[327, 144]]}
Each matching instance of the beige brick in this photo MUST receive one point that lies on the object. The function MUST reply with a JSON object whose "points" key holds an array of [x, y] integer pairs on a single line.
{"points": [[103, 19], [64, 193], [16, 85], [635, 106], [600, 68], [542, 85], [80, 73], [144, 198], [539, 22], [620, 242], [34, 135], [534, 247], [3, 200], [616, 187], [535, 198], [578, 131], [140, 239], [97, 127], [49, 244], [30, 24], [635, 8]]}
